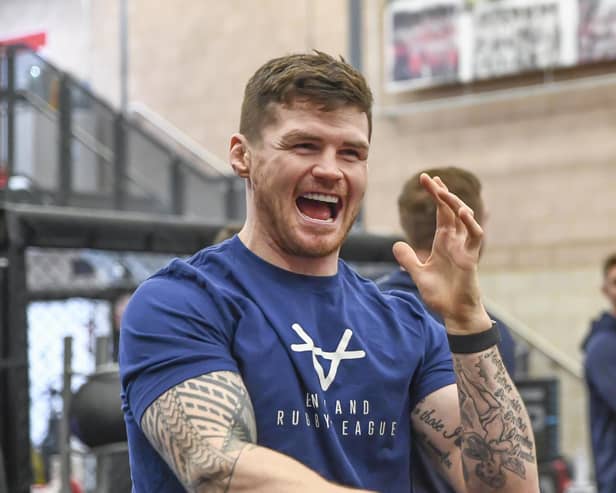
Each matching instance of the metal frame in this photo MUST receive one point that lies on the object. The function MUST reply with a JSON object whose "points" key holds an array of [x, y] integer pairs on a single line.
{"points": [[355, 33], [65, 154], [65, 227], [142, 115], [116, 155], [14, 422], [3, 484], [10, 109]]}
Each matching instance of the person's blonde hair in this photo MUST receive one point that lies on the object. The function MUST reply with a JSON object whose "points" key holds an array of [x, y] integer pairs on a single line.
{"points": [[417, 208]]}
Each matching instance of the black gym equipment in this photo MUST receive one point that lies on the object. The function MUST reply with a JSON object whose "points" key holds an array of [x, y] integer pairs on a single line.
{"points": [[3, 486], [96, 409]]}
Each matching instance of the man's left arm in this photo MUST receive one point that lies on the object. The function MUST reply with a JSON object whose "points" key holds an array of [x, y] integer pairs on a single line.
{"points": [[437, 429], [477, 432], [497, 451], [498, 446]]}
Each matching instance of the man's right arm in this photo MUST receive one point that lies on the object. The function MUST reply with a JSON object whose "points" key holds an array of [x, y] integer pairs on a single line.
{"points": [[205, 430]]}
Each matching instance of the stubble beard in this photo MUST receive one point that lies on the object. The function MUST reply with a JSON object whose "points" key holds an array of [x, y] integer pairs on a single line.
{"points": [[287, 240]]}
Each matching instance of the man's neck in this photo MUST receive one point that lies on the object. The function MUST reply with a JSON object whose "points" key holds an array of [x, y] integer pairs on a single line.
{"points": [[268, 250]]}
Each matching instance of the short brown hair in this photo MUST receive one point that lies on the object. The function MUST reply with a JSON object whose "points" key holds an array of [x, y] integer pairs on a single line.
{"points": [[608, 263], [316, 78], [418, 210]]}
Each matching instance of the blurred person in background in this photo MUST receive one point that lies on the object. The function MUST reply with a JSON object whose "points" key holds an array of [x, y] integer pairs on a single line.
{"points": [[118, 306], [600, 371], [227, 232], [417, 213], [266, 364]]}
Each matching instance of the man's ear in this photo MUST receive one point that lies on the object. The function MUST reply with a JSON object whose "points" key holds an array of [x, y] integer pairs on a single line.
{"points": [[239, 155]]}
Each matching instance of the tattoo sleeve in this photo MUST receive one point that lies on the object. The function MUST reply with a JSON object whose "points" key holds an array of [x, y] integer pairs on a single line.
{"points": [[498, 444], [200, 428], [438, 435], [439, 450]]}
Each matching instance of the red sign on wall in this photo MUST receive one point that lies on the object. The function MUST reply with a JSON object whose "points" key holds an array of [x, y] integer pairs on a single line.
{"points": [[33, 41]]}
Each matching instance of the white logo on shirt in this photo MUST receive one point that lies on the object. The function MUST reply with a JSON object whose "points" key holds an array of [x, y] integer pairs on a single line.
{"points": [[335, 357]]}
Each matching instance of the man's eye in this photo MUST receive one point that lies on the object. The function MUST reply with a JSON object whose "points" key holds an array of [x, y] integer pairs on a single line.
{"points": [[352, 153], [305, 146]]}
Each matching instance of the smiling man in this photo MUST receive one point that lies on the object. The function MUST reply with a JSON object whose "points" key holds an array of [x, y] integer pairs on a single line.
{"points": [[266, 364]]}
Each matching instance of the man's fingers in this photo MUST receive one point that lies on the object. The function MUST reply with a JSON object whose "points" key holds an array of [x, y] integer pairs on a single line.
{"points": [[475, 231], [438, 180], [406, 257], [462, 211], [452, 211], [432, 185], [451, 200], [445, 216]]}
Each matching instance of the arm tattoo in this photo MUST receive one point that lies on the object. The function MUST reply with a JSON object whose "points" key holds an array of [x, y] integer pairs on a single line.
{"points": [[200, 427], [428, 416], [442, 456], [497, 436]]}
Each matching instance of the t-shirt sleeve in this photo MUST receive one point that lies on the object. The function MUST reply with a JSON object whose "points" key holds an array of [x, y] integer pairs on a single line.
{"points": [[435, 369], [172, 330], [600, 367]]}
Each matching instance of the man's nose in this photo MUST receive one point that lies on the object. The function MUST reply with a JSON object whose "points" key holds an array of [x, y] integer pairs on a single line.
{"points": [[326, 168]]}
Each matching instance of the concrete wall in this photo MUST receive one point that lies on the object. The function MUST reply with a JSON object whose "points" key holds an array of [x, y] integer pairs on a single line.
{"points": [[191, 64]]}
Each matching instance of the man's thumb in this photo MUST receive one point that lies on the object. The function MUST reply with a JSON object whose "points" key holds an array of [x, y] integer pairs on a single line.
{"points": [[406, 257]]}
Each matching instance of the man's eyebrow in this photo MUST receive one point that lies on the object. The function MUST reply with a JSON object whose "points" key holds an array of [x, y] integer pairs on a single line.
{"points": [[358, 144], [299, 135], [303, 135]]}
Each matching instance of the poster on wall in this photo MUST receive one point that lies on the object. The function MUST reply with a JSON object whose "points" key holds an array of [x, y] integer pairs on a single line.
{"points": [[596, 30], [422, 43], [513, 36]]}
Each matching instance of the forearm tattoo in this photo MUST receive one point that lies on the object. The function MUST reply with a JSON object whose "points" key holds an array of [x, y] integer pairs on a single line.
{"points": [[427, 415], [497, 438], [200, 427]]}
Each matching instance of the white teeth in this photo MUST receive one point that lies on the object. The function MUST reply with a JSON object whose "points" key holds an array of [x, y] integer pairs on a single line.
{"points": [[322, 197]]}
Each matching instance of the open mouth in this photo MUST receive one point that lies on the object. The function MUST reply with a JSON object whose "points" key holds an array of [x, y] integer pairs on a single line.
{"points": [[319, 206]]}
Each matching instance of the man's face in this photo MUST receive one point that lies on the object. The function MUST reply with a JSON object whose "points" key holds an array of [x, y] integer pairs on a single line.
{"points": [[308, 178], [609, 286]]}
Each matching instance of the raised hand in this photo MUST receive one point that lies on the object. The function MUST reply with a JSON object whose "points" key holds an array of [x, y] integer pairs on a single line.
{"points": [[448, 280]]}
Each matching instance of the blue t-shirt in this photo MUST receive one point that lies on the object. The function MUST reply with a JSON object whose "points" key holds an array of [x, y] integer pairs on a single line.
{"points": [[600, 372], [332, 365]]}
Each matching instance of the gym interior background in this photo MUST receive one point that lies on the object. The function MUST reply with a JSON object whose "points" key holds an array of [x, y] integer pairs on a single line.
{"points": [[537, 129]]}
